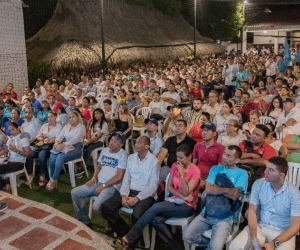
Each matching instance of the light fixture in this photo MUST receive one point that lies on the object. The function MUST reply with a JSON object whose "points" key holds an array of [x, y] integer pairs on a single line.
{"points": [[245, 2], [265, 31]]}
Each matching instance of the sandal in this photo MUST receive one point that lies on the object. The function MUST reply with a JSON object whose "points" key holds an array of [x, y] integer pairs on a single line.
{"points": [[121, 244], [42, 181]]}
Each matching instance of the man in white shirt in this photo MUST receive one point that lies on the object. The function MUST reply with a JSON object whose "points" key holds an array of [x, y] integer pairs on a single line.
{"points": [[229, 71], [106, 180], [79, 97], [156, 142], [157, 106], [84, 83], [70, 90], [138, 188], [26, 91], [39, 83], [171, 97], [31, 126], [288, 121], [271, 68], [110, 96]]}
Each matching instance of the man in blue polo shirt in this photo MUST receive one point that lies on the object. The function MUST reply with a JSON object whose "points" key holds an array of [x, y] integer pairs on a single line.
{"points": [[274, 214], [35, 103]]}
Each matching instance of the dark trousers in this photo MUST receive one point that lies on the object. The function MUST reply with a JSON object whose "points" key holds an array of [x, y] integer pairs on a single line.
{"points": [[110, 212], [9, 168], [229, 91]]}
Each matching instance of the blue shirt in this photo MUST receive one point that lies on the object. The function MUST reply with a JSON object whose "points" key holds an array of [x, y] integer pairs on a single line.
{"points": [[3, 120], [36, 104], [242, 75], [69, 109], [3, 104], [19, 122], [238, 176], [43, 115], [297, 56], [7, 112], [275, 209]]}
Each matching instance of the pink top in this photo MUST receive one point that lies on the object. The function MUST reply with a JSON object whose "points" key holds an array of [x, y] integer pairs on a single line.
{"points": [[86, 114], [192, 173]]}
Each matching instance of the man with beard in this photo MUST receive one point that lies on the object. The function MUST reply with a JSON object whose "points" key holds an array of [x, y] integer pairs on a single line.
{"points": [[193, 116]]}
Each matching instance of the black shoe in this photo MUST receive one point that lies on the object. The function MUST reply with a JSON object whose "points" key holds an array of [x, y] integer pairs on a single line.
{"points": [[79, 175], [3, 206], [90, 225]]}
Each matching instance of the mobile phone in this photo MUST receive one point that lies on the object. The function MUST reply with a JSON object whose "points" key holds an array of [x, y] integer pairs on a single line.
{"points": [[248, 131]]}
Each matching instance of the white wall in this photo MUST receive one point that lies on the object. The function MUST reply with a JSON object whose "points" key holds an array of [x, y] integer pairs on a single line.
{"points": [[13, 64], [269, 39]]}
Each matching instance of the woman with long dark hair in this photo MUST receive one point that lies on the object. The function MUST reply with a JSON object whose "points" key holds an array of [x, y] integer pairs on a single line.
{"points": [[96, 134], [276, 108]]}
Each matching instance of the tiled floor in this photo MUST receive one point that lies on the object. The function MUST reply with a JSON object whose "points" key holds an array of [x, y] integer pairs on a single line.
{"points": [[30, 225]]}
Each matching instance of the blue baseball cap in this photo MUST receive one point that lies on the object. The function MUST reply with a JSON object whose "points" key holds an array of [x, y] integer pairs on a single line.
{"points": [[120, 135], [209, 126], [152, 120], [287, 100]]}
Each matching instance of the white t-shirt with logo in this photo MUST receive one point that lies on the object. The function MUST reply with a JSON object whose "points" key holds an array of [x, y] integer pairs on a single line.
{"points": [[110, 163]]}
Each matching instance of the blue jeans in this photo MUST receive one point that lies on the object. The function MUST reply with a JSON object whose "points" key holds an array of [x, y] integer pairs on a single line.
{"points": [[78, 195], [157, 215], [89, 149], [43, 156], [57, 161], [221, 229]]}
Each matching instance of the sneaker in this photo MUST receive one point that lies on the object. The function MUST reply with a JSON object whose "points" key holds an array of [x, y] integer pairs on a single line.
{"points": [[3, 206], [79, 175]]}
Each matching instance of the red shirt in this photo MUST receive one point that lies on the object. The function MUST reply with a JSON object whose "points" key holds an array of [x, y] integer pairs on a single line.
{"points": [[208, 157], [14, 95], [196, 132], [265, 150], [196, 92]]}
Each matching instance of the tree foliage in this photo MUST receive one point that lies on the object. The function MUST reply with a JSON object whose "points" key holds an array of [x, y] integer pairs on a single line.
{"points": [[170, 7], [220, 20]]}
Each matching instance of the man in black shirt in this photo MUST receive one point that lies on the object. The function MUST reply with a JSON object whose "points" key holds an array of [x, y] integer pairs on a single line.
{"points": [[171, 145], [206, 86], [218, 83]]}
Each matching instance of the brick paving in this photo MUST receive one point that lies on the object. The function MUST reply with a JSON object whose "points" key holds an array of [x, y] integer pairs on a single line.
{"points": [[30, 225]]}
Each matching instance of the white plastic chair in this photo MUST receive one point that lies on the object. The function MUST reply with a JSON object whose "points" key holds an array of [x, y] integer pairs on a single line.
{"points": [[95, 155], [266, 119], [293, 175], [173, 221], [146, 111], [235, 230], [14, 179], [146, 233]]}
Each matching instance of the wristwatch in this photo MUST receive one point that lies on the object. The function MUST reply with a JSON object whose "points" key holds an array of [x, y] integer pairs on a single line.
{"points": [[103, 185], [276, 243]]}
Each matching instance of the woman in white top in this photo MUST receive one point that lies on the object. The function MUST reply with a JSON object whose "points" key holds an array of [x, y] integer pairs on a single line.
{"points": [[46, 137], [96, 134], [62, 117], [232, 135], [18, 148], [221, 120], [272, 140], [248, 127], [73, 135], [276, 108]]}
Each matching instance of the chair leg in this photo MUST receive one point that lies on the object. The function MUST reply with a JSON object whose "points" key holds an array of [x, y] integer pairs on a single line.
{"points": [[91, 208], [174, 229], [153, 239], [193, 247], [146, 235], [72, 174], [13, 183], [27, 177], [85, 169]]}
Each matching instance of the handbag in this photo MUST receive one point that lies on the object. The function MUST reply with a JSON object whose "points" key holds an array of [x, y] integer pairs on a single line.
{"points": [[4, 159], [139, 121], [44, 146]]}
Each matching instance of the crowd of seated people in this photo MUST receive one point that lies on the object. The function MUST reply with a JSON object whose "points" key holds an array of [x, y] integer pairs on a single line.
{"points": [[203, 127]]}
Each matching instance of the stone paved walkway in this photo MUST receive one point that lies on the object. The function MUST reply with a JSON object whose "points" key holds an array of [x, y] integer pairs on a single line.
{"points": [[29, 225]]}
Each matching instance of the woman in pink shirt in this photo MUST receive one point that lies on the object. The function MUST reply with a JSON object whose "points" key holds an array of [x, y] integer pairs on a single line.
{"points": [[183, 186]]}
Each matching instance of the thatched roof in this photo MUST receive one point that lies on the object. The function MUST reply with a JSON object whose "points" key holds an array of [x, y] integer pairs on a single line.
{"points": [[72, 37]]}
